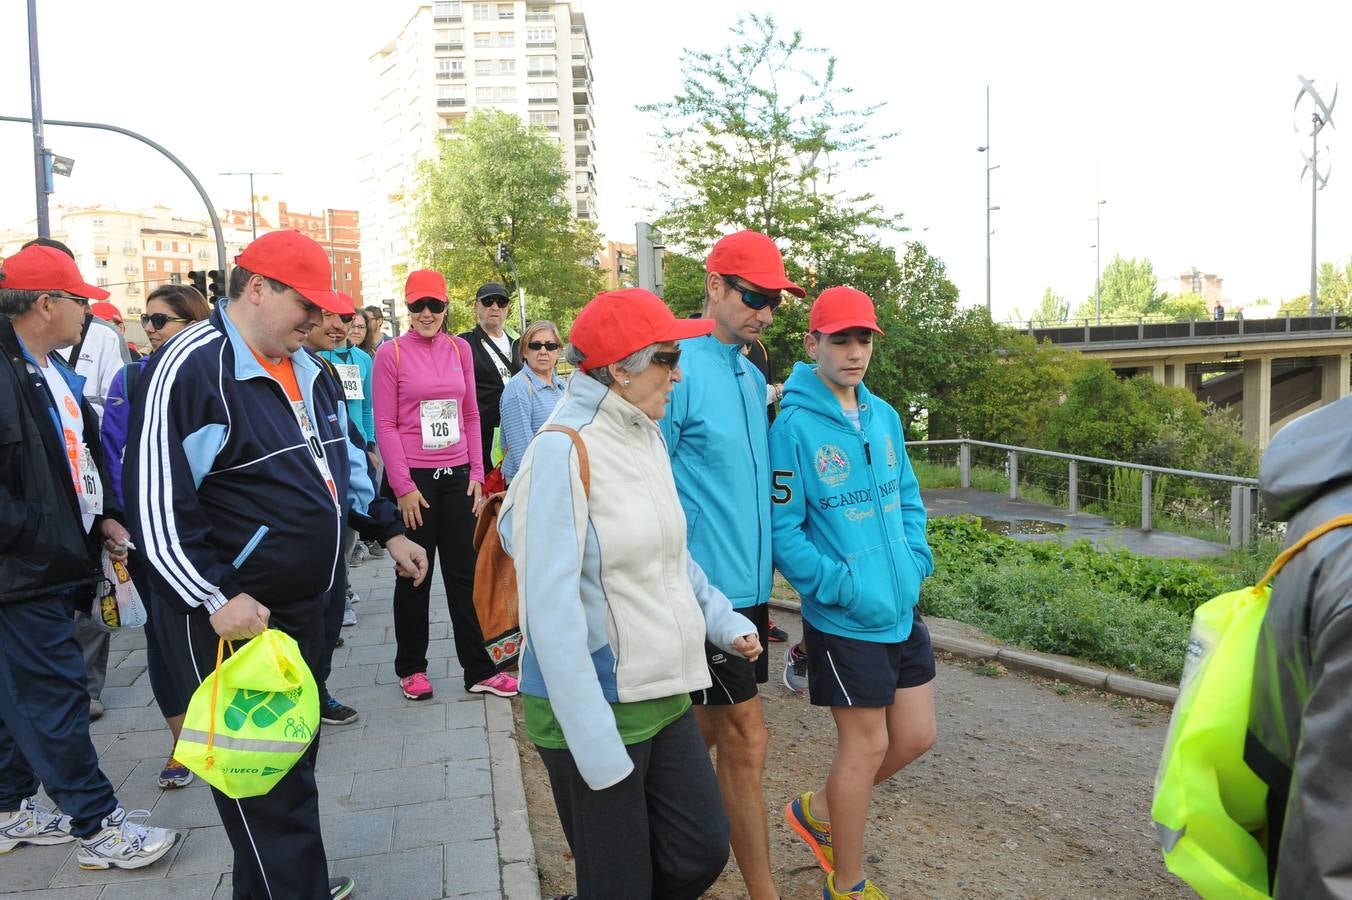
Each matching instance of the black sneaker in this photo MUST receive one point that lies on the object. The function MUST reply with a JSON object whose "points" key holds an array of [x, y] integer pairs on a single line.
{"points": [[341, 887], [776, 634], [335, 713]]}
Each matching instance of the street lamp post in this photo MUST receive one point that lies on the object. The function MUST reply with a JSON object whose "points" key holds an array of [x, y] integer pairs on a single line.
{"points": [[253, 216], [39, 150], [1098, 266], [989, 209]]}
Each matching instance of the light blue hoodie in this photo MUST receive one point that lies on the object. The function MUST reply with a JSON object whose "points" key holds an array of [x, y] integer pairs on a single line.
{"points": [[849, 524], [716, 433]]}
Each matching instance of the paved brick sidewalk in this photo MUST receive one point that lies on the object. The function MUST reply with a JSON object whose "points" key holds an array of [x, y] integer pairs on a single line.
{"points": [[406, 794]]}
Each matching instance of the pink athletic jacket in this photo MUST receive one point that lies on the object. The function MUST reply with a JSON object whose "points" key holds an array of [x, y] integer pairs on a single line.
{"points": [[411, 369]]}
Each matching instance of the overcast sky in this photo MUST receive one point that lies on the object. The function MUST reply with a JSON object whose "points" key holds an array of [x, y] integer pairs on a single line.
{"points": [[1179, 114]]}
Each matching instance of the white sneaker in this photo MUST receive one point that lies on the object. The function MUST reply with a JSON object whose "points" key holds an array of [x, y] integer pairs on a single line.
{"points": [[33, 824], [122, 844], [374, 550], [349, 617], [358, 555]]}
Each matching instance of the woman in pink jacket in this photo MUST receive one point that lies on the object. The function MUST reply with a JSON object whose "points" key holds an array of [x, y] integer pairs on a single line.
{"points": [[427, 428]]}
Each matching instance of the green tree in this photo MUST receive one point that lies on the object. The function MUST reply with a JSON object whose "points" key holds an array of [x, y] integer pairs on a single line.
{"points": [[1128, 289], [752, 140], [498, 181], [1177, 307], [1012, 402], [1051, 310], [1334, 284]]}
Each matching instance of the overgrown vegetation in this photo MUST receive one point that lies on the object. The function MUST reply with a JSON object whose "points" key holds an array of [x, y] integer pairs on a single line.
{"points": [[1114, 608]]}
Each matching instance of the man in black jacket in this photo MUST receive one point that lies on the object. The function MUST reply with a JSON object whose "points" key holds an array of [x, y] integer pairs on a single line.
{"points": [[53, 514], [496, 358]]}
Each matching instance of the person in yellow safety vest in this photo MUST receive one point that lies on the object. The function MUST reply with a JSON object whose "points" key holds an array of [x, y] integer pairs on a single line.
{"points": [[1300, 721]]}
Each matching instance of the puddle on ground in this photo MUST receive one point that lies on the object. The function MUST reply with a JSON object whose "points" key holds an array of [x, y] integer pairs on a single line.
{"points": [[1021, 526]]}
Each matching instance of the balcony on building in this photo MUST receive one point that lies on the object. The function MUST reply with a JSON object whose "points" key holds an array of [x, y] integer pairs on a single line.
{"points": [[451, 46], [446, 20], [450, 101], [128, 249]]}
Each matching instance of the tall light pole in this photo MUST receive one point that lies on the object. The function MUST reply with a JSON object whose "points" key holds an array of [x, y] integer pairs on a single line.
{"points": [[253, 216], [989, 209], [1098, 265], [40, 176]]}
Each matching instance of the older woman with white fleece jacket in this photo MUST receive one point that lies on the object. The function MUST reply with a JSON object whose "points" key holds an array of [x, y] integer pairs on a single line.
{"points": [[615, 615]]}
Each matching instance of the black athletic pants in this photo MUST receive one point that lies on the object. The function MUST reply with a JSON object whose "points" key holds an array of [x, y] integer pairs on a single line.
{"points": [[44, 715], [279, 851], [448, 527], [659, 833]]}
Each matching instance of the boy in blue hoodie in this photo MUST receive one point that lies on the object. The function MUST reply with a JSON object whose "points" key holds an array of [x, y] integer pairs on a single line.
{"points": [[849, 534]]}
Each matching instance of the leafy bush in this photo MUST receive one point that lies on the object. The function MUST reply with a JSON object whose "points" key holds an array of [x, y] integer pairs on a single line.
{"points": [[1114, 608]]}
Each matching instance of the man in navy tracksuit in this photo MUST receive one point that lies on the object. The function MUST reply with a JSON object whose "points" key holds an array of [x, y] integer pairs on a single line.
{"points": [[238, 480]]}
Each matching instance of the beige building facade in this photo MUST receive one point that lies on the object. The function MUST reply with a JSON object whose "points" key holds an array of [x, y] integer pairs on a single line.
{"points": [[528, 57]]}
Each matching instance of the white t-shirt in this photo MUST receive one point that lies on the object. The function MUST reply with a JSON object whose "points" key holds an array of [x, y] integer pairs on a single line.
{"points": [[504, 344], [83, 472]]}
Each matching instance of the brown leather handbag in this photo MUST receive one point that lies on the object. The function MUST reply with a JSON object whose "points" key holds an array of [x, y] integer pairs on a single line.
{"points": [[495, 598]]}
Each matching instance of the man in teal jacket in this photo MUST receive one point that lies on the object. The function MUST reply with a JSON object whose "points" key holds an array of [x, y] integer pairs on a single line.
{"points": [[717, 436]]}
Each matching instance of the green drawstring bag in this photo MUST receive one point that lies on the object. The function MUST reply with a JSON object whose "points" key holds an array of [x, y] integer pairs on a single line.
{"points": [[253, 718], [1210, 809]]}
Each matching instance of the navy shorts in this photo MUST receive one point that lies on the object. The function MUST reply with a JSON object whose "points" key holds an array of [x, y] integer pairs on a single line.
{"points": [[734, 679], [845, 671]]}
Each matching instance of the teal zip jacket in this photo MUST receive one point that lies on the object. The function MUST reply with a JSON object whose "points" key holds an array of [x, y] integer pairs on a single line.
{"points": [[717, 436], [849, 524]]}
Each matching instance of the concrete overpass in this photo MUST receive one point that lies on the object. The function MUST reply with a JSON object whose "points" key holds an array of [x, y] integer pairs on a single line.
{"points": [[1272, 369]]}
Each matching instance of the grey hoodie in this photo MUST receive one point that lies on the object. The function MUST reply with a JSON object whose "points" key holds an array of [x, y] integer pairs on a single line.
{"points": [[1300, 722]]}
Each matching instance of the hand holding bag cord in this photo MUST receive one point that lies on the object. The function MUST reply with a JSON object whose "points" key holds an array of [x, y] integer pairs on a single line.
{"points": [[252, 718]]}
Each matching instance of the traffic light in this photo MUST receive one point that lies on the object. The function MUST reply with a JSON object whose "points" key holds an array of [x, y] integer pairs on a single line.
{"points": [[216, 284], [199, 281], [391, 316]]}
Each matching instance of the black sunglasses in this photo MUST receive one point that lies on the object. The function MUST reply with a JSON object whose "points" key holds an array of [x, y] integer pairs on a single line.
{"points": [[429, 303], [83, 301], [755, 299], [345, 318], [544, 345], [159, 320], [669, 358], [499, 302]]}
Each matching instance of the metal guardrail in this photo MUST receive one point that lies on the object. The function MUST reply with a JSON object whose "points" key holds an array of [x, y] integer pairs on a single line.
{"points": [[1143, 330], [1243, 491]]}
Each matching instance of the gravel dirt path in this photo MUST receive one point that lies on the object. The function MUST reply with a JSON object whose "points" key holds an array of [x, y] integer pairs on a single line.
{"points": [[1033, 789]]}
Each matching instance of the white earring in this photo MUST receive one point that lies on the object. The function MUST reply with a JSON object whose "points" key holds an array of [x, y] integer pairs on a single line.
{"points": [[626, 382]]}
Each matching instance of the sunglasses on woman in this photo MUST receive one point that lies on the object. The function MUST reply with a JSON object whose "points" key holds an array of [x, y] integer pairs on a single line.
{"points": [[755, 299], [499, 302], [669, 358], [159, 320], [544, 345], [428, 303]]}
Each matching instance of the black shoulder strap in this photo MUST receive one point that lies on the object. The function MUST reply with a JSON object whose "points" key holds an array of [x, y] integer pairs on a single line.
{"points": [[84, 333], [488, 342]]}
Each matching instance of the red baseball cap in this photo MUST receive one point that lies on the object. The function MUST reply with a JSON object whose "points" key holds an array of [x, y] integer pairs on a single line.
{"points": [[106, 311], [425, 283], [40, 268], [347, 298], [299, 263], [754, 257], [839, 308], [617, 323]]}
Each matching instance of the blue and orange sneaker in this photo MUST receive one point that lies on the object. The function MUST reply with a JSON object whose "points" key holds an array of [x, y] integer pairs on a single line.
{"points": [[816, 834], [865, 890]]}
